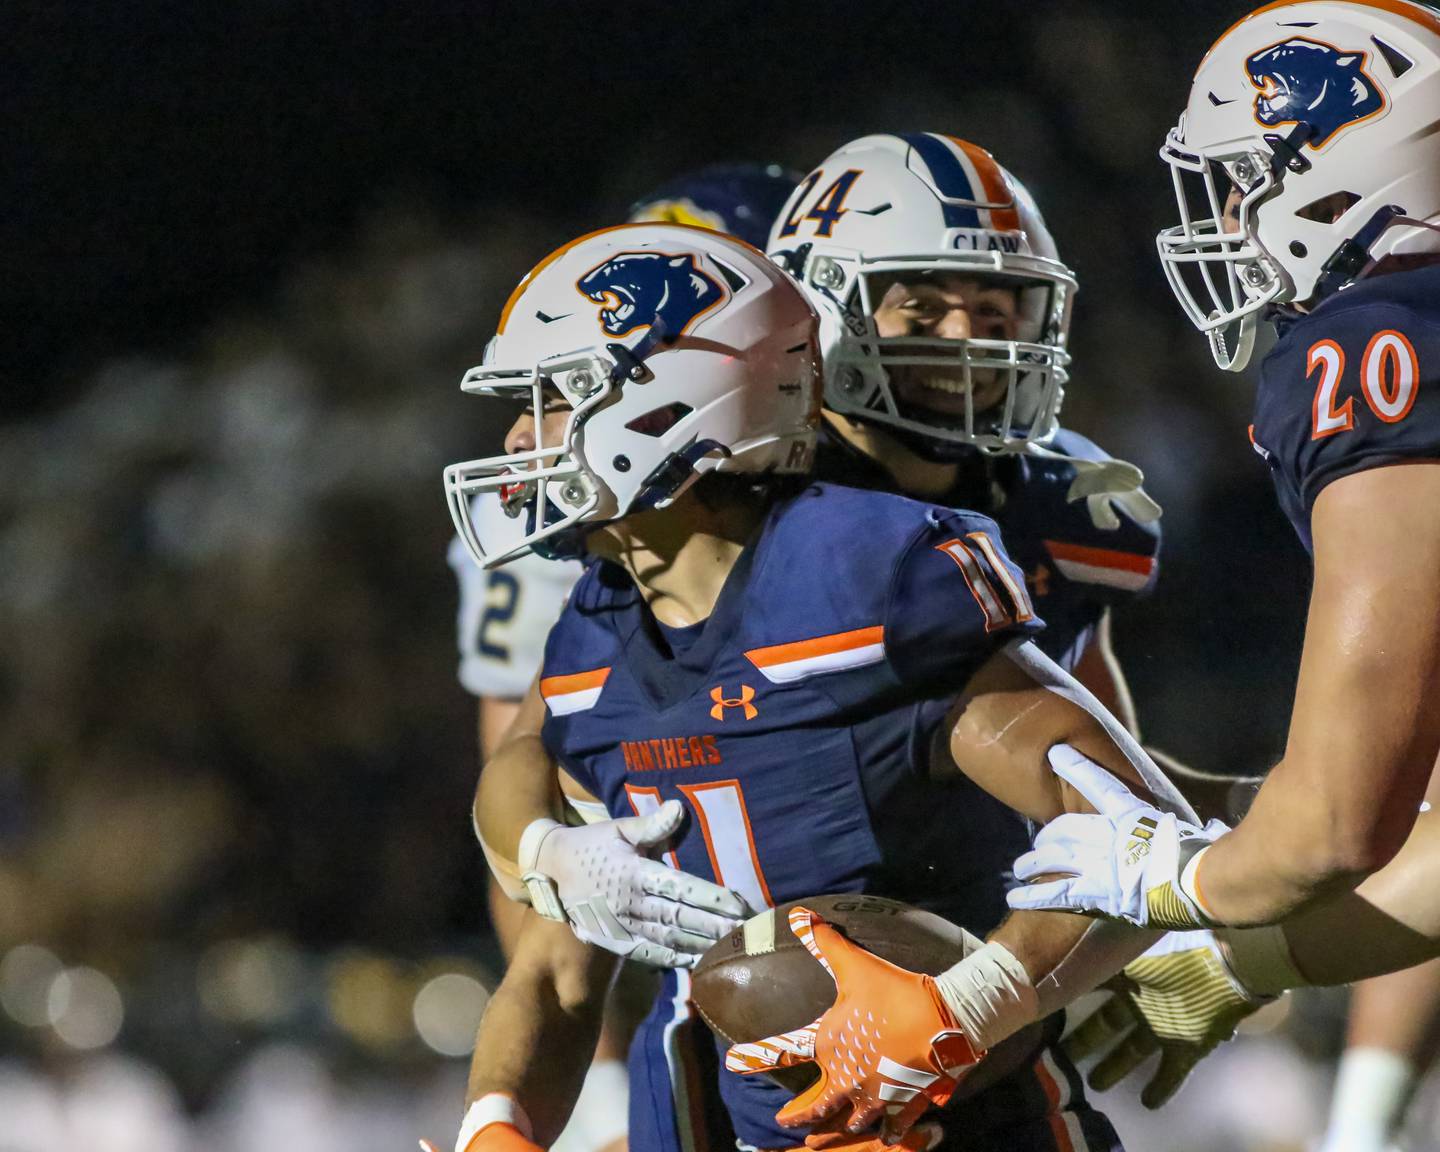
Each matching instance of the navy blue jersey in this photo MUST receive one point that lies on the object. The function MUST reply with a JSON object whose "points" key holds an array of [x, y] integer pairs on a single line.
{"points": [[1074, 569], [1353, 385], [796, 725]]}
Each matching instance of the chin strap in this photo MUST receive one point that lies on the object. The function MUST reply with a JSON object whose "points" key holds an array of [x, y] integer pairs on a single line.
{"points": [[675, 473], [1352, 257]]}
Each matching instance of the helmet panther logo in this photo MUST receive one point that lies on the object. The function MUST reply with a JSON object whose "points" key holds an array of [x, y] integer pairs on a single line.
{"points": [[650, 289], [1305, 80]]}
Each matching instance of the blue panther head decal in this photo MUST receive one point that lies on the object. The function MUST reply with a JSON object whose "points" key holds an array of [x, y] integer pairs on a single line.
{"points": [[1304, 80], [651, 289]]}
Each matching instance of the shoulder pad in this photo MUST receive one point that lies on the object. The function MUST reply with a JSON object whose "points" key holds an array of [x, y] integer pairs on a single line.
{"points": [[1351, 386], [884, 586]]}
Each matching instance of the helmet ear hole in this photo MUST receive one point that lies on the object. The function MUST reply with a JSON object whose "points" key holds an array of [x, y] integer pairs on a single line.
{"points": [[1328, 209], [658, 421]]}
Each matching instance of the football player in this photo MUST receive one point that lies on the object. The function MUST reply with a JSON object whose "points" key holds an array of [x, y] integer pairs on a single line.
{"points": [[786, 727], [505, 614], [1307, 168]]}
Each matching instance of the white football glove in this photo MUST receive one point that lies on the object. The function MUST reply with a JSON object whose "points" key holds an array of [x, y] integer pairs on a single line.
{"points": [[615, 897], [1130, 862], [1105, 485]]}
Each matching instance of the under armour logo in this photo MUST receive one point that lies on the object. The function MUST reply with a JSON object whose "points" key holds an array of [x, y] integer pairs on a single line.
{"points": [[722, 702]]}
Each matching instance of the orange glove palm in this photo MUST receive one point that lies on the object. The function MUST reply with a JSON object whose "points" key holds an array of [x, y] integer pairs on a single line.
{"points": [[888, 1047]]}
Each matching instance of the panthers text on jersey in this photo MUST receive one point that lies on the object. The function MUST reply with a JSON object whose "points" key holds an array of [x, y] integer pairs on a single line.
{"points": [[1073, 569], [796, 725], [505, 613], [1353, 385]]}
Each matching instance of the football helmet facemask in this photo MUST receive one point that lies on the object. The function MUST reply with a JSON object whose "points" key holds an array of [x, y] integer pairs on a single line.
{"points": [[672, 350]]}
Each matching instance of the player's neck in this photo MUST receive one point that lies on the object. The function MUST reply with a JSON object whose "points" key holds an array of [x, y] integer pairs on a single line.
{"points": [[913, 474], [680, 556]]}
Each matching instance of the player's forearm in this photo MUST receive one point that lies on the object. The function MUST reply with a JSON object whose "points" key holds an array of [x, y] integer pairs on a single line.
{"points": [[1365, 730], [517, 786], [1067, 956], [1033, 964], [1282, 858], [1394, 912], [541, 1026], [1333, 812]]}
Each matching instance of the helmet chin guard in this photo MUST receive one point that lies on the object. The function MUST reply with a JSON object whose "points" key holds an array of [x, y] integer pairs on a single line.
{"points": [[671, 351]]}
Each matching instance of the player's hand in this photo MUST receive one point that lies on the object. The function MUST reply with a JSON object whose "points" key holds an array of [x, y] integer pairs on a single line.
{"points": [[601, 879], [1179, 999], [832, 1137], [1106, 485], [1128, 862], [887, 1048]]}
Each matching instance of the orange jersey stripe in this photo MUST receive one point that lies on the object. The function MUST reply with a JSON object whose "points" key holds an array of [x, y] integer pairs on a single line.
{"points": [[1101, 557], [574, 682], [819, 646]]}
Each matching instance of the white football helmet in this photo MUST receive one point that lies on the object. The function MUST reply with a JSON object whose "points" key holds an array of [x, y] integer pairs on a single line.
{"points": [[891, 207], [1319, 120], [678, 351]]}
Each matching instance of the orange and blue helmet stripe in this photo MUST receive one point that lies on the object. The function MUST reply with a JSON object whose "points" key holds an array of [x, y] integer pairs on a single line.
{"points": [[966, 172]]}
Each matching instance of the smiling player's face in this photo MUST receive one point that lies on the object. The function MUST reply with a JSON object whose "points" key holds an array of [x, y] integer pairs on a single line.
{"points": [[948, 307]]}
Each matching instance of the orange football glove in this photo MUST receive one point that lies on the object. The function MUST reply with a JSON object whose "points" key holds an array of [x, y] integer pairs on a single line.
{"points": [[888, 1047], [498, 1137], [831, 1137]]}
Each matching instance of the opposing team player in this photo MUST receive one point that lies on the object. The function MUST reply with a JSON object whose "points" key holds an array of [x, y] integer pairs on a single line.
{"points": [[737, 648], [1307, 165], [506, 613]]}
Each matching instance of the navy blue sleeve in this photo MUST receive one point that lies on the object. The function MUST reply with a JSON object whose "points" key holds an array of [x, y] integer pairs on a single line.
{"points": [[1102, 565], [955, 598], [1351, 388]]}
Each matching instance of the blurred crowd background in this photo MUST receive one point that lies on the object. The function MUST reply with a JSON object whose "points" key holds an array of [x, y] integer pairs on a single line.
{"points": [[251, 250]]}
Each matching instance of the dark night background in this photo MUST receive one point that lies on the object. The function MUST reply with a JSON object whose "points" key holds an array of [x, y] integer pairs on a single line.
{"points": [[250, 249]]}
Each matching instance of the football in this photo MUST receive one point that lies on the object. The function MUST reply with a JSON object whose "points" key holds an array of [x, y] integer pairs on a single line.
{"points": [[761, 980]]}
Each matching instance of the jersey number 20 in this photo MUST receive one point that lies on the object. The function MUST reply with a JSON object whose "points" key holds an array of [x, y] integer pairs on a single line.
{"points": [[1389, 374]]}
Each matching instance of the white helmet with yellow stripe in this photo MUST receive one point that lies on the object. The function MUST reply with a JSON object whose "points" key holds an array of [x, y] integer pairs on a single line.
{"points": [[922, 213]]}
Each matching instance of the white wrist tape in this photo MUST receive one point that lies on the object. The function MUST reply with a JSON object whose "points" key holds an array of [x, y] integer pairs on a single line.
{"points": [[543, 896], [492, 1108], [1190, 887], [989, 994], [1260, 959]]}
